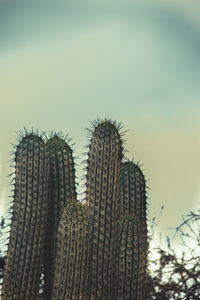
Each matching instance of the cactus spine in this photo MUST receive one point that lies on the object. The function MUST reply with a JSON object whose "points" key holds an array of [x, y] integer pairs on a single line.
{"points": [[26, 243], [102, 197], [62, 190]]}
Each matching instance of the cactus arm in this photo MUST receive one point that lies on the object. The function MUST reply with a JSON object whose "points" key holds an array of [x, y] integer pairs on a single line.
{"points": [[130, 260], [133, 230], [70, 253], [28, 225], [102, 196], [62, 190]]}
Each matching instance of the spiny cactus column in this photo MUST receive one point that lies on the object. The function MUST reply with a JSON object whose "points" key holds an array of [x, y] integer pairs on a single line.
{"points": [[132, 256], [102, 197], [28, 224], [131, 263], [62, 190], [70, 267], [93, 251], [133, 192]]}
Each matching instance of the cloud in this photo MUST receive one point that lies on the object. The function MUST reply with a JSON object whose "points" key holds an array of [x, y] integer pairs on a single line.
{"points": [[116, 63], [23, 21]]}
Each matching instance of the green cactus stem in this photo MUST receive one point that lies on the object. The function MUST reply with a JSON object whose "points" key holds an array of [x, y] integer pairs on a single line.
{"points": [[62, 190], [133, 244], [28, 223], [133, 193], [70, 267], [131, 260], [102, 197]]}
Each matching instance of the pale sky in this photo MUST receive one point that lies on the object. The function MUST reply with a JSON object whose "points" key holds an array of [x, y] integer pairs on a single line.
{"points": [[63, 64]]}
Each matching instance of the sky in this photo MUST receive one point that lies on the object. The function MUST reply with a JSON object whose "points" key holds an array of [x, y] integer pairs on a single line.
{"points": [[65, 63]]}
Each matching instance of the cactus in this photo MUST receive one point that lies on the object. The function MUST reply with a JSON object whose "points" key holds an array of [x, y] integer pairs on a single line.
{"points": [[28, 224], [62, 190], [102, 197], [95, 250], [133, 194], [131, 260], [132, 243], [70, 266]]}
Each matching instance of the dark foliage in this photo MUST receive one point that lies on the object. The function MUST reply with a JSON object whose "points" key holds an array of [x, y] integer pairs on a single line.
{"points": [[177, 277]]}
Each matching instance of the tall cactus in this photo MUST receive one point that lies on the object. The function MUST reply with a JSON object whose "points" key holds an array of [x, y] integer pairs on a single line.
{"points": [[28, 225], [132, 244], [62, 191], [91, 251], [103, 197]]}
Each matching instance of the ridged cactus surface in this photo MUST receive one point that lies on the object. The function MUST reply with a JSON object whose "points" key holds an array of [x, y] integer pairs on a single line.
{"points": [[131, 260], [133, 193], [62, 190], [28, 225], [102, 197], [70, 267], [132, 243]]}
